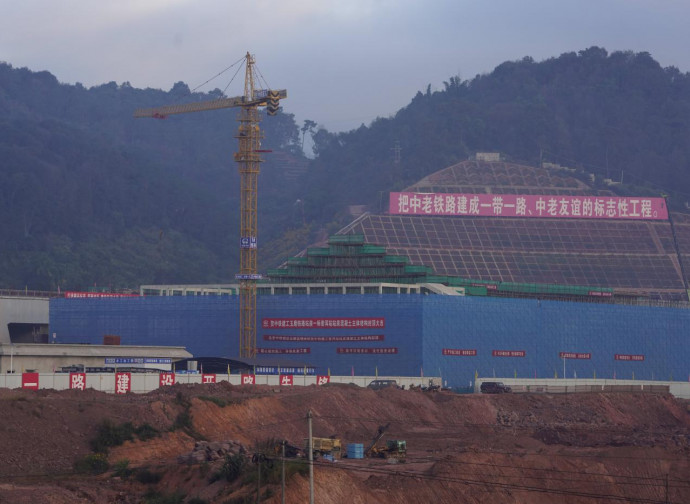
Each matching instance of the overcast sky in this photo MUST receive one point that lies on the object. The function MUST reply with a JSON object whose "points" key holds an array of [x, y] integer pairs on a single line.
{"points": [[343, 62]]}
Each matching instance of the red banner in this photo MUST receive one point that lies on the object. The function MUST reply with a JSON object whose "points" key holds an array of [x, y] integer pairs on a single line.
{"points": [[625, 357], [574, 355], [324, 323], [323, 379], [30, 381], [77, 381], [123, 383], [208, 378], [166, 379], [508, 353], [305, 350], [459, 352], [346, 350], [248, 379], [324, 339], [528, 205], [600, 294], [286, 379]]}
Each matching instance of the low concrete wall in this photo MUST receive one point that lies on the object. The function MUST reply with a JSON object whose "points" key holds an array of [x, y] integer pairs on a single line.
{"points": [[146, 382], [575, 385]]}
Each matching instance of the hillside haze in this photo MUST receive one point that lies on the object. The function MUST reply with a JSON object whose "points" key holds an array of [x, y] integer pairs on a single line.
{"points": [[90, 196]]}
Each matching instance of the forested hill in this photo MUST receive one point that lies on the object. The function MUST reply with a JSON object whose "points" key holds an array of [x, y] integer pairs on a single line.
{"points": [[615, 115], [89, 195]]}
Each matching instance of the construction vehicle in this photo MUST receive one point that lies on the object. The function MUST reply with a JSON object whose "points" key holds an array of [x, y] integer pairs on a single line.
{"points": [[396, 449], [323, 446], [393, 449], [291, 451], [248, 159], [377, 437]]}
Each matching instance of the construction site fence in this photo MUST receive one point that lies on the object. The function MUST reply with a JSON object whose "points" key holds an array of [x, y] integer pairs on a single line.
{"points": [[142, 383], [577, 386]]}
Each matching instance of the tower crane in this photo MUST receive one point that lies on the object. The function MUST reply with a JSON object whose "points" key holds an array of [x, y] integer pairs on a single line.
{"points": [[248, 158]]}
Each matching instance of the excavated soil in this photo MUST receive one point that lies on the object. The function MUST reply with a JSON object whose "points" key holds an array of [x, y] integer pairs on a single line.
{"points": [[512, 448]]}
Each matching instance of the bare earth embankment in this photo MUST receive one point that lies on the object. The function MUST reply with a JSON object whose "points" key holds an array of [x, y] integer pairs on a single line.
{"points": [[535, 449]]}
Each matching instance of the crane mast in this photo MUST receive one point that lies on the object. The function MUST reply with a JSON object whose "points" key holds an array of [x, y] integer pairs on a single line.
{"points": [[248, 160]]}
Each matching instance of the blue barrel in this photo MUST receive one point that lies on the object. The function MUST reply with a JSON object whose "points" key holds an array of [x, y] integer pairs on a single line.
{"points": [[355, 450]]}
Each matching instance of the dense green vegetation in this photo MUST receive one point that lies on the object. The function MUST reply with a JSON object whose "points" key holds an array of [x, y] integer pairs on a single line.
{"points": [[90, 196], [619, 115]]}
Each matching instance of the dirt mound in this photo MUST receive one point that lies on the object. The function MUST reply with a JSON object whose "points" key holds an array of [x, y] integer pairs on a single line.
{"points": [[536, 449]]}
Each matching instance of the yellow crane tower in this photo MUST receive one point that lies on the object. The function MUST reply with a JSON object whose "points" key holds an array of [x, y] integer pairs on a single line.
{"points": [[248, 159]]}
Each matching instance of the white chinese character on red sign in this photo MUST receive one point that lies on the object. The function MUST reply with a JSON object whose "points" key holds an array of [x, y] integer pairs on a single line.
{"points": [[439, 206], [77, 381], [247, 379], [123, 383], [208, 378], [497, 205], [286, 379], [166, 379], [322, 380], [474, 205], [520, 206]]}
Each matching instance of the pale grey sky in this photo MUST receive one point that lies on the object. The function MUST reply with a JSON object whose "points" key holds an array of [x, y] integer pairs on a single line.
{"points": [[343, 62]]}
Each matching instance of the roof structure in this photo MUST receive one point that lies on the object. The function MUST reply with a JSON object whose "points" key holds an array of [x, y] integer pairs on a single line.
{"points": [[631, 256], [500, 177]]}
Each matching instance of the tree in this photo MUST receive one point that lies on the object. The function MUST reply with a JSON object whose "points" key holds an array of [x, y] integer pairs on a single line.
{"points": [[308, 127]]}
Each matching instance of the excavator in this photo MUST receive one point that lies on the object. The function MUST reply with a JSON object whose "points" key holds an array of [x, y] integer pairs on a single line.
{"points": [[393, 449]]}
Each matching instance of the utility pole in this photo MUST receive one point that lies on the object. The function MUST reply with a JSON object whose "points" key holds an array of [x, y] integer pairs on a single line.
{"points": [[396, 152], [258, 485], [282, 484], [311, 462], [258, 459]]}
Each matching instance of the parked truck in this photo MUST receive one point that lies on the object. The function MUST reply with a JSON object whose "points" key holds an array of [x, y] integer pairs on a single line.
{"points": [[323, 446]]}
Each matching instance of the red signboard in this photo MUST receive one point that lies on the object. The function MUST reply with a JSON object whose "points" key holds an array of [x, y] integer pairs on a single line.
{"points": [[459, 352], [286, 379], [488, 286], [166, 379], [248, 379], [391, 350], [527, 205], [123, 383], [600, 294], [323, 379], [77, 381], [305, 350], [324, 323], [208, 378], [632, 358], [508, 353], [574, 355], [30, 381], [324, 339]]}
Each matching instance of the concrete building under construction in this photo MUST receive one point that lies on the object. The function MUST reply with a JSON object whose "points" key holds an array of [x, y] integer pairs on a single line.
{"points": [[485, 268]]}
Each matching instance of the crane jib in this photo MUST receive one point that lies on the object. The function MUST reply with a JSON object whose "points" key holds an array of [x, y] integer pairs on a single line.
{"points": [[221, 103]]}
